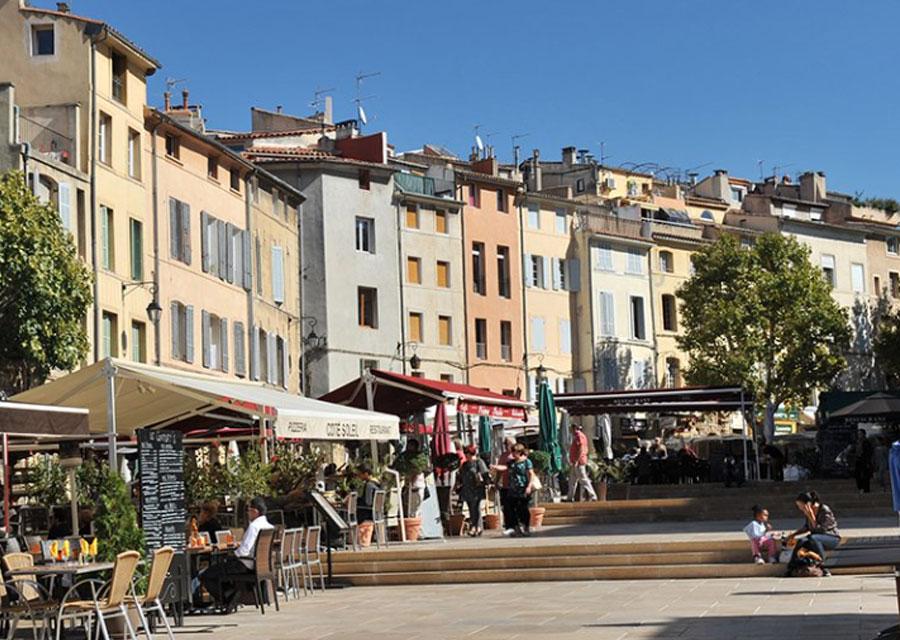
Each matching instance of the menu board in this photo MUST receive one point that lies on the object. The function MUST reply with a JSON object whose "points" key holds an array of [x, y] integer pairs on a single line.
{"points": [[162, 489]]}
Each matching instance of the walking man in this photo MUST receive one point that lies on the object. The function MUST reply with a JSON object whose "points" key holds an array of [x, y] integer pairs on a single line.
{"points": [[578, 453]]}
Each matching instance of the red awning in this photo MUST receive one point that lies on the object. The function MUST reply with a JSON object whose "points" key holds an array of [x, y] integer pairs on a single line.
{"points": [[405, 395]]}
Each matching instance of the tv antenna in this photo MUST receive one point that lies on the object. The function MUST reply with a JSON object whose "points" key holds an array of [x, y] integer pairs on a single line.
{"points": [[603, 156], [515, 138], [760, 163], [318, 96], [776, 167], [172, 82], [360, 112]]}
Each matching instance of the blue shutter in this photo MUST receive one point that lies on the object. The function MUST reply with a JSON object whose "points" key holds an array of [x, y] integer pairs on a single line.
{"points": [[223, 341], [176, 330], [278, 274], [189, 333], [205, 328], [574, 279], [248, 261]]}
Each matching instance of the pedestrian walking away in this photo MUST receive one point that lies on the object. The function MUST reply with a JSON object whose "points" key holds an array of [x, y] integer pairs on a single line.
{"points": [[472, 479], [578, 476]]}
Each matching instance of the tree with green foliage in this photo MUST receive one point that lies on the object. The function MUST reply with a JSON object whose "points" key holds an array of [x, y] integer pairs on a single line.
{"points": [[45, 290], [762, 317], [887, 347]]}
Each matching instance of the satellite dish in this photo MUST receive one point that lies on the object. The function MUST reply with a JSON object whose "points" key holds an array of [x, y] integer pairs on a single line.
{"points": [[362, 114], [479, 143]]}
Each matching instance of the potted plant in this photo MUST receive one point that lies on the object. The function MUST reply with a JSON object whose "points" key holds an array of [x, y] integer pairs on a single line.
{"points": [[411, 465], [541, 461], [245, 477], [603, 472]]}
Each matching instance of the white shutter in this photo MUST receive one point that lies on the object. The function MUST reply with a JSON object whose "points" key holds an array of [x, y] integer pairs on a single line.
{"points": [[186, 232], [175, 324], [557, 281], [529, 270], [574, 280], [254, 352], [539, 341], [532, 387], [221, 248], [545, 275], [205, 328], [239, 351], [285, 363], [229, 252], [204, 241], [607, 314], [278, 274], [857, 276], [174, 229], [237, 249], [248, 261], [65, 205], [189, 333], [565, 336], [271, 353], [223, 341], [259, 287]]}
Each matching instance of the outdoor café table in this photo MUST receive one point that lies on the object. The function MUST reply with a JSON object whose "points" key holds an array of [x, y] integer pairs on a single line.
{"points": [[860, 553], [215, 553], [59, 569]]}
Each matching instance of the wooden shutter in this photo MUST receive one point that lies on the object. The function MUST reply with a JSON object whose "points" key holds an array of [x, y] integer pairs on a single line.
{"points": [[545, 276], [205, 328], [204, 241], [186, 231], [557, 281], [229, 252], [248, 261], [278, 274], [254, 352], [259, 288], [221, 248], [607, 314], [573, 282], [240, 363], [270, 357], [189, 333], [176, 330], [65, 205], [223, 342], [285, 363]]}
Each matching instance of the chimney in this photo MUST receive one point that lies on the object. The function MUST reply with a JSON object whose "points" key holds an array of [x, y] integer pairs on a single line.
{"points": [[184, 99], [568, 156], [812, 186], [329, 117], [167, 97], [278, 109], [536, 161], [720, 187], [63, 7]]}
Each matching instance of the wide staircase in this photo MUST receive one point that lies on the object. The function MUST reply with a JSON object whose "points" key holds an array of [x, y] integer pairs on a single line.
{"points": [[584, 554]]}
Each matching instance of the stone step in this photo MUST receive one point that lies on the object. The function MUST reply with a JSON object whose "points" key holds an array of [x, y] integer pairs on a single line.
{"points": [[668, 515], [823, 487], [834, 501]]}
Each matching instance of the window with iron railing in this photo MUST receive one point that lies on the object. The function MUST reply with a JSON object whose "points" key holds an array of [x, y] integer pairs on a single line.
{"points": [[119, 77]]}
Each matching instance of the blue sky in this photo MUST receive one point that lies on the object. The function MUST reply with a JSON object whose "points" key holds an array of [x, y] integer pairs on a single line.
{"points": [[802, 85]]}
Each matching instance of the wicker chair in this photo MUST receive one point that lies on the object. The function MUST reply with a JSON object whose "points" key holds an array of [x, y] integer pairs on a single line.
{"points": [[149, 604], [22, 597], [263, 569], [104, 607]]}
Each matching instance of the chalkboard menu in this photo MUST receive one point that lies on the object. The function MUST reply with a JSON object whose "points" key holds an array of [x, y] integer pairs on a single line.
{"points": [[162, 489]]}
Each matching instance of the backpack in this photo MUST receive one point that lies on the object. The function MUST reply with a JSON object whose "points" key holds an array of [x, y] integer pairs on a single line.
{"points": [[807, 571]]}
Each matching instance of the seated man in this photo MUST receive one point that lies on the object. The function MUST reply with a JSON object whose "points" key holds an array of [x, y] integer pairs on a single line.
{"points": [[366, 499], [215, 579]]}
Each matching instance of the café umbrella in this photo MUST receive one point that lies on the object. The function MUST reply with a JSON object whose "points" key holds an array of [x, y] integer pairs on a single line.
{"points": [[440, 444], [484, 435], [549, 431]]}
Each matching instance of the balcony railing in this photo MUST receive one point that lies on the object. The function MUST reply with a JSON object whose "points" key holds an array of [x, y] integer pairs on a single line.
{"points": [[46, 140], [675, 230], [599, 223], [412, 183]]}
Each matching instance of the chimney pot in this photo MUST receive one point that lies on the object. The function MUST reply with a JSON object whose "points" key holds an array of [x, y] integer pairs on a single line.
{"points": [[278, 109], [168, 100], [63, 7], [184, 98]]}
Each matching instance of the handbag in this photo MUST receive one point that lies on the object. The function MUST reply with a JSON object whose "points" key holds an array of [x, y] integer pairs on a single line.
{"points": [[537, 485]]}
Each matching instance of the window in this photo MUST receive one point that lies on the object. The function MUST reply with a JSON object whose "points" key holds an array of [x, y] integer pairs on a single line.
{"points": [[506, 341], [365, 365], [737, 195], [134, 154], [445, 330], [538, 338], [443, 274], [707, 216], [264, 370], [501, 201], [365, 235], [891, 245], [747, 243], [42, 41], [478, 275], [215, 341], [276, 203], [638, 374], [281, 362], [415, 327], [669, 311], [136, 240], [673, 372], [877, 289], [182, 326], [107, 239], [894, 279], [110, 333], [119, 77], [607, 308], [634, 265], [180, 230], [235, 179], [535, 277], [534, 216], [565, 336], [481, 338], [440, 221], [666, 261], [638, 330], [412, 216], [363, 178], [858, 278], [367, 310], [604, 257], [560, 274], [212, 167], [828, 270], [258, 266], [414, 270], [562, 223], [788, 210], [816, 214], [474, 196], [278, 274], [579, 185], [138, 341], [104, 139], [503, 283], [446, 377], [173, 146]]}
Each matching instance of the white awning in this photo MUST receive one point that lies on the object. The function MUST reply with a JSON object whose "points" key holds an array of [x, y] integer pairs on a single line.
{"points": [[148, 396]]}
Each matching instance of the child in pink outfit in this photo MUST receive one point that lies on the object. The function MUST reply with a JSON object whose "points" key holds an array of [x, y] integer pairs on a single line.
{"points": [[761, 538]]}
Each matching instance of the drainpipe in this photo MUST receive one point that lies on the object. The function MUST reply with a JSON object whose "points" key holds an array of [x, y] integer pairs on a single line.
{"points": [[402, 298], [93, 182], [156, 263], [653, 315], [524, 299], [590, 306], [248, 222], [301, 360], [465, 281]]}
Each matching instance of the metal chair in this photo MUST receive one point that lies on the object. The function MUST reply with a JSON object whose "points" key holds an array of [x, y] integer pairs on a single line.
{"points": [[380, 525], [352, 539], [284, 562], [312, 556], [263, 569], [104, 607], [298, 565], [149, 604]]}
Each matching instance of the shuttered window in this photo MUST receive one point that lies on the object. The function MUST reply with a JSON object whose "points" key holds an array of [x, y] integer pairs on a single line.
{"points": [[443, 274], [240, 350], [638, 330], [414, 270], [65, 205], [607, 307], [440, 221], [107, 236], [136, 238], [445, 330], [412, 216], [278, 274], [604, 257], [565, 336], [538, 339], [180, 230], [415, 327]]}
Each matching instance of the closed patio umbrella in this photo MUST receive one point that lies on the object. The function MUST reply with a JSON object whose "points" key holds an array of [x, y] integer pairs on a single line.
{"points": [[440, 443], [484, 435], [548, 428]]}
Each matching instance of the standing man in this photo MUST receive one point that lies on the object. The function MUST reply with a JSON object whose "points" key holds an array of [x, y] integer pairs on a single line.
{"points": [[578, 453]]}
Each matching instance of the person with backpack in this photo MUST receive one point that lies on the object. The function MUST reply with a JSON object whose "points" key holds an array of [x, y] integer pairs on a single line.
{"points": [[821, 529], [521, 484], [471, 487]]}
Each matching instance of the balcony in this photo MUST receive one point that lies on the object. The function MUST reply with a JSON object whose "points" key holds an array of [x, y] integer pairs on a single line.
{"points": [[676, 230], [411, 183], [51, 132], [614, 225]]}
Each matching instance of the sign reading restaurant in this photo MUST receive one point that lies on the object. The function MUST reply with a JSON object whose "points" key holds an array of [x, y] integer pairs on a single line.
{"points": [[297, 428]]}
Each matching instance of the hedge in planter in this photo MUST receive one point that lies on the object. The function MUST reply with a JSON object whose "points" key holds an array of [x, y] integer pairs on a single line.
{"points": [[116, 522]]}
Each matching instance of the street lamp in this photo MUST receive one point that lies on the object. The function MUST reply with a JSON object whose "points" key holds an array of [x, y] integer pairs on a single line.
{"points": [[154, 311]]}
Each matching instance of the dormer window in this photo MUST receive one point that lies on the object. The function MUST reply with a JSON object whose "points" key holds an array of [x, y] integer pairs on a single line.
{"points": [[119, 73], [737, 194], [42, 40]]}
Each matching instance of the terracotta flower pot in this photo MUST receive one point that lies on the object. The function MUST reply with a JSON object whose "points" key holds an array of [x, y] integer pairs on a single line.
{"points": [[492, 521], [537, 516], [366, 529], [601, 488], [412, 526], [457, 521]]}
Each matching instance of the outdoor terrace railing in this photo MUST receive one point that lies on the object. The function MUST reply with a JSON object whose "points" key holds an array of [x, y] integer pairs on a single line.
{"points": [[46, 140], [599, 223]]}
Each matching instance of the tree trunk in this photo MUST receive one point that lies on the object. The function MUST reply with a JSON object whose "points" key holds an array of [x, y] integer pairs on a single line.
{"points": [[769, 429]]}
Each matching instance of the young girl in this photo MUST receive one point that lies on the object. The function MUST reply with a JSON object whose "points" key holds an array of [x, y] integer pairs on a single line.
{"points": [[760, 533]]}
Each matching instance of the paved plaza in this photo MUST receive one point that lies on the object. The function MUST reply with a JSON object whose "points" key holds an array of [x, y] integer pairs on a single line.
{"points": [[841, 607]]}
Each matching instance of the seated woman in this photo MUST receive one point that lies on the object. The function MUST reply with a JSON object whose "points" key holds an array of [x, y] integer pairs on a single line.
{"points": [[208, 521], [820, 526]]}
